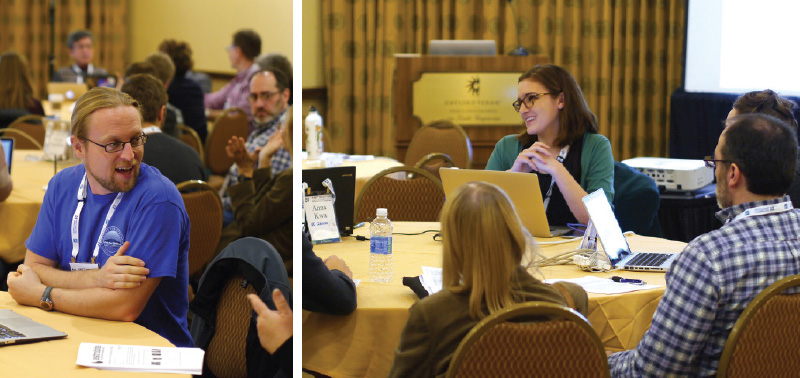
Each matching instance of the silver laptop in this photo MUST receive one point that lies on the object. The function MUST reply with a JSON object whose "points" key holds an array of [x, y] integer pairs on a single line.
{"points": [[461, 47], [614, 242], [8, 148], [522, 189], [15, 328]]}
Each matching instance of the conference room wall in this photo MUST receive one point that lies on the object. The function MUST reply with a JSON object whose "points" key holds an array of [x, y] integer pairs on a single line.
{"points": [[208, 25]]}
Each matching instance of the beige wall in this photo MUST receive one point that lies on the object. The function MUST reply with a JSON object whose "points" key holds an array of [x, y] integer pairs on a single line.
{"points": [[313, 75], [208, 26]]}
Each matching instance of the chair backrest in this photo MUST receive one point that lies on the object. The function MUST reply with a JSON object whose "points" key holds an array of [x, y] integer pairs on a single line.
{"points": [[418, 196], [765, 341], [22, 140], [226, 352], [187, 135], [443, 137], [636, 201], [565, 345], [204, 208], [32, 125], [433, 161], [232, 121]]}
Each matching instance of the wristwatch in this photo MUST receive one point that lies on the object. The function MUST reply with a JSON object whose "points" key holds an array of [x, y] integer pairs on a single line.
{"points": [[46, 303], [242, 178]]}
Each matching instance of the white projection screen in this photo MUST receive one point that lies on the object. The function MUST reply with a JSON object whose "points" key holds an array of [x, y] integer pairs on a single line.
{"points": [[736, 46]]}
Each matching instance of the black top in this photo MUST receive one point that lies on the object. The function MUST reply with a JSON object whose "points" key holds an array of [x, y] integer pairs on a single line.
{"points": [[187, 96], [175, 159], [558, 212], [326, 291]]}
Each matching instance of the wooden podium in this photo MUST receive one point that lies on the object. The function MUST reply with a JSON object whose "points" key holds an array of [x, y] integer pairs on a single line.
{"points": [[409, 69]]}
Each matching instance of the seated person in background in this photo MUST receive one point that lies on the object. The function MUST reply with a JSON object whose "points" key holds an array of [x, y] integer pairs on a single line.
{"points": [[81, 50], [129, 258], [16, 90], [269, 100], [5, 180], [560, 143], [476, 281], [184, 92], [165, 71], [769, 102], [262, 199], [280, 62], [242, 52], [717, 275], [174, 159]]}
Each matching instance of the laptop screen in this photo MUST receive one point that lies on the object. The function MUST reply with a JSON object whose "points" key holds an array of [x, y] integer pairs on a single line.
{"points": [[8, 148], [344, 185], [606, 225]]}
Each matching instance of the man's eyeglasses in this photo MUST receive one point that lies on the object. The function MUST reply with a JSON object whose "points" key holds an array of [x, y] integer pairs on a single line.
{"points": [[529, 99], [264, 96], [712, 163], [119, 146]]}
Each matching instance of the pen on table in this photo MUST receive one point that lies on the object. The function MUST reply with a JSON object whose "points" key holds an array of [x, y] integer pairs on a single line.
{"points": [[627, 280]]}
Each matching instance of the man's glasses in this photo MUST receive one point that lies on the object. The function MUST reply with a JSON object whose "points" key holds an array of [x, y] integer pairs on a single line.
{"points": [[264, 96], [119, 146], [529, 99], [712, 163]]}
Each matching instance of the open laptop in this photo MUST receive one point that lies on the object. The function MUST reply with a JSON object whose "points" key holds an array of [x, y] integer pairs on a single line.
{"points": [[8, 148], [344, 186], [614, 242], [461, 47], [522, 189], [70, 91], [15, 328]]}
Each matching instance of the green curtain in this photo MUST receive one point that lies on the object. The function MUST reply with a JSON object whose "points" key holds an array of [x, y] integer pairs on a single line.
{"points": [[626, 55]]}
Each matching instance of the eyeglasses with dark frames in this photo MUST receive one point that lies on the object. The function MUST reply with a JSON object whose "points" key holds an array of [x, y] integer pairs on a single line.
{"points": [[264, 96], [712, 163], [529, 99], [119, 146]]}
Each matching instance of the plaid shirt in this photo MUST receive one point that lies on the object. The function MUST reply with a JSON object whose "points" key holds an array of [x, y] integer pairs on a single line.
{"points": [[258, 138], [708, 287]]}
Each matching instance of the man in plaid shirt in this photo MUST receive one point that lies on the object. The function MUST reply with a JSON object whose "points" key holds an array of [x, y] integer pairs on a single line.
{"points": [[719, 273]]}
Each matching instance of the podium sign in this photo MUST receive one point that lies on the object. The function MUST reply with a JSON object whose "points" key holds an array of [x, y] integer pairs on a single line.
{"points": [[467, 98]]}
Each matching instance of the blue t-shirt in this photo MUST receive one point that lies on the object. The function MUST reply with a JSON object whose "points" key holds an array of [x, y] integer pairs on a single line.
{"points": [[151, 216]]}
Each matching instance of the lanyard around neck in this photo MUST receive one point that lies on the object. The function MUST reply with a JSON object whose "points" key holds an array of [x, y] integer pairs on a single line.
{"points": [[561, 156], [151, 130], [764, 210], [82, 193]]}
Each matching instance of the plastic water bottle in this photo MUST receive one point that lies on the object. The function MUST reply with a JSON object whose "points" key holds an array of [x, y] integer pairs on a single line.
{"points": [[380, 248], [313, 134]]}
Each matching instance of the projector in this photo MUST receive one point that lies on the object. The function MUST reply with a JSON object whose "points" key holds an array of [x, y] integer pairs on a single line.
{"points": [[674, 174]]}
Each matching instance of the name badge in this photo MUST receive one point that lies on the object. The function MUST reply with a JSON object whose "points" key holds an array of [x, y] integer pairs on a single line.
{"points": [[82, 266], [321, 218]]}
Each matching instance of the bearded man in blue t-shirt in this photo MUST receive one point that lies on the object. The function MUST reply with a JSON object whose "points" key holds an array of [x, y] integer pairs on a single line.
{"points": [[112, 237]]}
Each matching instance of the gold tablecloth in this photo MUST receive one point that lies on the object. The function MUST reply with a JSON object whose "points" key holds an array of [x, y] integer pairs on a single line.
{"points": [[362, 344], [19, 211], [56, 358]]}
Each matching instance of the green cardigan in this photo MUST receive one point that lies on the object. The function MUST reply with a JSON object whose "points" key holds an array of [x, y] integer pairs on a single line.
{"points": [[598, 173]]}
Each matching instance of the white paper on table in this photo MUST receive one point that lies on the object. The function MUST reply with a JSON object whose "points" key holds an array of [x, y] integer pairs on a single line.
{"points": [[431, 279], [599, 285], [141, 358]]}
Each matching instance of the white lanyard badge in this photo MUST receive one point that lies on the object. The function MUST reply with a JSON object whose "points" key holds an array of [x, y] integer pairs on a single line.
{"points": [[561, 156], [151, 130], [74, 264], [765, 209]]}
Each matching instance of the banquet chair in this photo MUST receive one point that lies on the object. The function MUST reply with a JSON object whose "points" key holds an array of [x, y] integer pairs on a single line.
{"points": [[204, 208], [226, 353], [546, 340], [23, 140], [433, 161], [636, 201], [417, 196], [32, 125], [765, 340], [232, 121], [187, 135], [444, 137]]}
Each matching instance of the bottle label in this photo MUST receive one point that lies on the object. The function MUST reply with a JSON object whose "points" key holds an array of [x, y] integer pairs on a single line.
{"points": [[381, 245]]}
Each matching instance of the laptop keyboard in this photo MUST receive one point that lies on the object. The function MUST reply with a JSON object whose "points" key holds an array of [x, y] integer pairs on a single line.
{"points": [[7, 333], [648, 259]]}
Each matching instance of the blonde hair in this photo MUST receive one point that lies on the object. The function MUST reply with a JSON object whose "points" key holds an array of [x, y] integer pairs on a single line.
{"points": [[483, 245], [95, 99], [16, 90]]}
